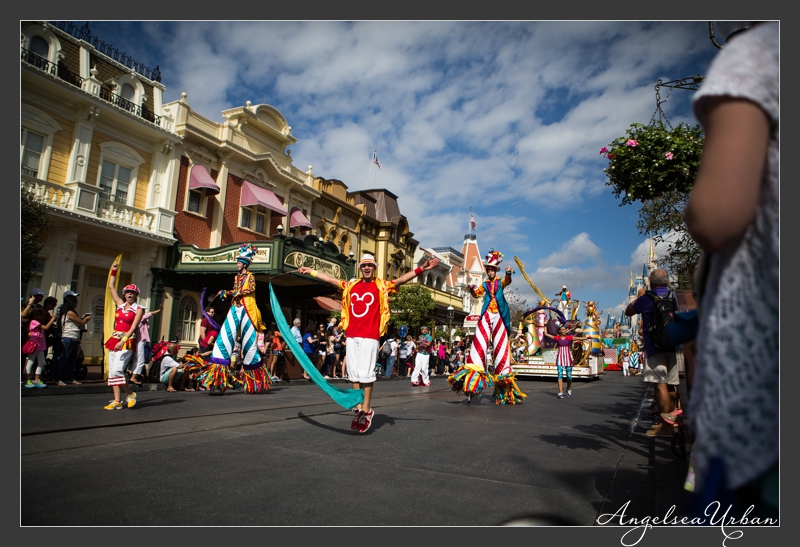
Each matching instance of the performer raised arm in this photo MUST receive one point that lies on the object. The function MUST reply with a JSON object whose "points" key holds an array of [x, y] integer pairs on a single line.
{"points": [[564, 357], [122, 341], [365, 318], [239, 334], [493, 327]]}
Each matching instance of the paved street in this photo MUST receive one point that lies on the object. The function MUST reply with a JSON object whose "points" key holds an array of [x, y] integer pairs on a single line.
{"points": [[287, 457]]}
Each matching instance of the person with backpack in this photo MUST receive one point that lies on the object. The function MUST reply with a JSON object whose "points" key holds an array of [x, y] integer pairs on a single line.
{"points": [[389, 355], [660, 366]]}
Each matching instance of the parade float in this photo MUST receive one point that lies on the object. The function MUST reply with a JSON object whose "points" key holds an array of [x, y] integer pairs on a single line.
{"points": [[531, 355]]}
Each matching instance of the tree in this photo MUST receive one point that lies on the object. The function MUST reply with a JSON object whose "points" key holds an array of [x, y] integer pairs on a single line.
{"points": [[410, 306], [33, 221], [516, 305], [655, 167]]}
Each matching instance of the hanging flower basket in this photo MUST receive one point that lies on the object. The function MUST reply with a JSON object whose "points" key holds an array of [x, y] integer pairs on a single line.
{"points": [[653, 159]]}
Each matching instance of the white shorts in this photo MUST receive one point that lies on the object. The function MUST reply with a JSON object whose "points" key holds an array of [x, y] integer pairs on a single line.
{"points": [[117, 361], [362, 354]]}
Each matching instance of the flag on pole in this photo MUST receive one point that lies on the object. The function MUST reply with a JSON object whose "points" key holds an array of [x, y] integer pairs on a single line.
{"points": [[375, 160], [472, 222], [109, 311]]}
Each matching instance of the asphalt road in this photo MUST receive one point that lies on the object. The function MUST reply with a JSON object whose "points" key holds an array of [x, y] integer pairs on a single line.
{"points": [[287, 457]]}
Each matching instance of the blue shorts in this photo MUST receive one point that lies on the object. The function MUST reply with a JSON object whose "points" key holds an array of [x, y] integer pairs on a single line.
{"points": [[561, 372], [165, 376]]}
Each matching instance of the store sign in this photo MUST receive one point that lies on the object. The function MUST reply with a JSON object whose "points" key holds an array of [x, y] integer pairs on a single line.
{"points": [[471, 321], [191, 256], [298, 259]]}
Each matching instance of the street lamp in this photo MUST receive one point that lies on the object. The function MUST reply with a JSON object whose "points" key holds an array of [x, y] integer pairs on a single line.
{"points": [[450, 310]]}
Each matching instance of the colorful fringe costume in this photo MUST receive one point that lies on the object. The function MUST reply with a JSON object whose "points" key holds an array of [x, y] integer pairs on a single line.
{"points": [[470, 380], [506, 390], [242, 323]]}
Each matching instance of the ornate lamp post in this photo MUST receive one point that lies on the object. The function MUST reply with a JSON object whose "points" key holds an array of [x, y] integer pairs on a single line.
{"points": [[450, 310]]}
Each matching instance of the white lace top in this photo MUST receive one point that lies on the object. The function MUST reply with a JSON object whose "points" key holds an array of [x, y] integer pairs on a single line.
{"points": [[734, 401]]}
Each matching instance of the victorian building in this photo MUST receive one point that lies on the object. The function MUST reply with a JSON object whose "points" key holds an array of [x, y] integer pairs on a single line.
{"points": [[236, 184], [99, 149]]}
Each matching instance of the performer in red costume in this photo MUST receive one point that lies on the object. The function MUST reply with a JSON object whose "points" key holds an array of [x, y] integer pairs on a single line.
{"points": [[121, 343]]}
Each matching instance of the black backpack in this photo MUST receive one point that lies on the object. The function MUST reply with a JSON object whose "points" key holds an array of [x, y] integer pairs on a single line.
{"points": [[662, 316]]}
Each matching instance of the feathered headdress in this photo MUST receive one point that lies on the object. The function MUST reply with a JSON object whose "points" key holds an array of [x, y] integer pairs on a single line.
{"points": [[246, 253]]}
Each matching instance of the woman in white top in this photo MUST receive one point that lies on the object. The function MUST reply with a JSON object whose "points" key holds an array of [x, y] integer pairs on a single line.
{"points": [[71, 325]]}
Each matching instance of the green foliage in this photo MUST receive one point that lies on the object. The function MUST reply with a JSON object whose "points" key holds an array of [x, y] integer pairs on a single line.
{"points": [[411, 306], [652, 160], [664, 215], [655, 167], [33, 221], [516, 305]]}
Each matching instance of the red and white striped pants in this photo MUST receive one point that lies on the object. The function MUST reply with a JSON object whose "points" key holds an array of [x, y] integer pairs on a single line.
{"points": [[491, 329]]}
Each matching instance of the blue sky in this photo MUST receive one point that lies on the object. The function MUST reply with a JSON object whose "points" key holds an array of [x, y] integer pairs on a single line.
{"points": [[505, 117]]}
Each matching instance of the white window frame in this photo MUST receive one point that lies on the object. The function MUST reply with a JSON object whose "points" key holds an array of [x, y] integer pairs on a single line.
{"points": [[125, 156], [34, 120], [138, 90], [201, 194], [188, 325], [38, 30], [204, 197], [254, 212]]}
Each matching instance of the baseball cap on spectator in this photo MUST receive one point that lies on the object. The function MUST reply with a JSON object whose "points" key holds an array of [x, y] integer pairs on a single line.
{"points": [[37, 292], [70, 293]]}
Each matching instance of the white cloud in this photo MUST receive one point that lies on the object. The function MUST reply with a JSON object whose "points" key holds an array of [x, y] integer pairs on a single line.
{"points": [[506, 117]]}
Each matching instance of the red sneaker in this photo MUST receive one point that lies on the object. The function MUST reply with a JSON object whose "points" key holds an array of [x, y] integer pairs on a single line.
{"points": [[356, 419], [365, 421]]}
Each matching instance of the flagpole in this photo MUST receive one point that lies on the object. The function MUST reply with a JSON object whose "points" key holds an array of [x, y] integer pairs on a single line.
{"points": [[374, 167], [370, 176]]}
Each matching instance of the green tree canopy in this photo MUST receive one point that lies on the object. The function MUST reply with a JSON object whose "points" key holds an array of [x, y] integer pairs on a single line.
{"points": [[411, 306], [33, 221]]}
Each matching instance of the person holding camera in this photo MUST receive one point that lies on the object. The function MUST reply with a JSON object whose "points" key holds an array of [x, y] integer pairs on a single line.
{"points": [[71, 326]]}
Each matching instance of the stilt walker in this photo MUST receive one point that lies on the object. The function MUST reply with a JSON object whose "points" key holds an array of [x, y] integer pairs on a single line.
{"points": [[493, 328], [238, 337]]}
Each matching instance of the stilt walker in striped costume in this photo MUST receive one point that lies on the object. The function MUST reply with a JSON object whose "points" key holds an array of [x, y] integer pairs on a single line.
{"points": [[238, 337], [493, 328]]}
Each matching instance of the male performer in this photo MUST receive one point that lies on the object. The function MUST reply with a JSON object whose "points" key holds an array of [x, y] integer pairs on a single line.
{"points": [[239, 333], [493, 327], [365, 318]]}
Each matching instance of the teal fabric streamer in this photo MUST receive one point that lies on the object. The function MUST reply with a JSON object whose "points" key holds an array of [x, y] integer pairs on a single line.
{"points": [[345, 397]]}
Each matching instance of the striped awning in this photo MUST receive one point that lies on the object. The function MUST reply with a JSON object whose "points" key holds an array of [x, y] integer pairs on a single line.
{"points": [[199, 179], [253, 194], [298, 219]]}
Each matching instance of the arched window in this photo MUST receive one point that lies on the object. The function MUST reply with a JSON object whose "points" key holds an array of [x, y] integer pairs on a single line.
{"points": [[187, 319], [127, 92], [39, 46]]}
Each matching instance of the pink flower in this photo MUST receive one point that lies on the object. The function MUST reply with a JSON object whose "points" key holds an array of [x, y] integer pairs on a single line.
{"points": [[632, 142], [604, 150], [612, 156], [668, 155]]}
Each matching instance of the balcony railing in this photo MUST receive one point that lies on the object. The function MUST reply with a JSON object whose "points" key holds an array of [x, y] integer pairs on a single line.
{"points": [[125, 104], [59, 71], [53, 69], [83, 33], [89, 201]]}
